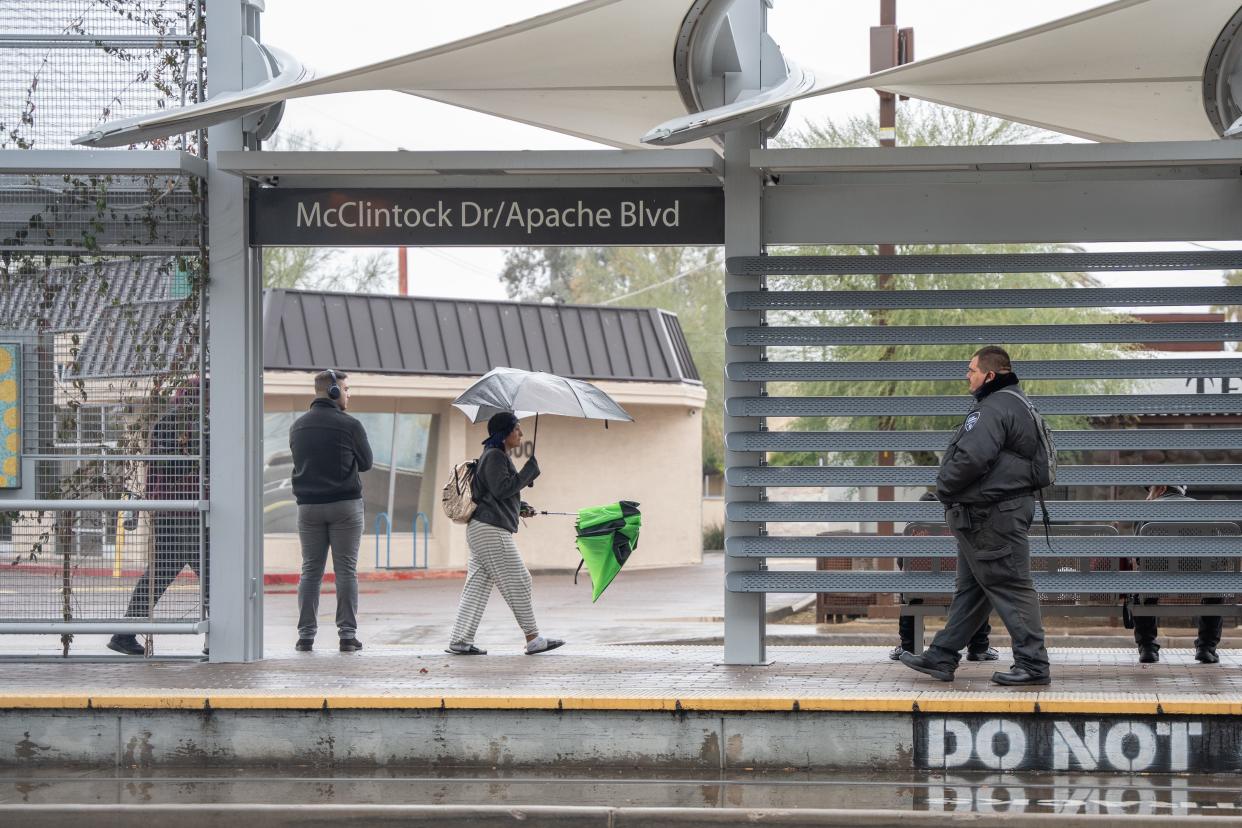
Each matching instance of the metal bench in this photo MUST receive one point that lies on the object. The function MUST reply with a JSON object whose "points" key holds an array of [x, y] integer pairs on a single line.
{"points": [[1214, 543]]}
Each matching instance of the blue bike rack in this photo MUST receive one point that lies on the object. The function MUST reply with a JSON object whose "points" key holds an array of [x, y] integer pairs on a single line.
{"points": [[388, 527], [383, 516], [426, 543]]}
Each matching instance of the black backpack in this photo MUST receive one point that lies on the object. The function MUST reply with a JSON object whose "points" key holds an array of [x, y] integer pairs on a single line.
{"points": [[1044, 463]]}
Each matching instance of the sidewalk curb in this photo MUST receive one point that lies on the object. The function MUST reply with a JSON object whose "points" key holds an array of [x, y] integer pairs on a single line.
{"points": [[269, 578], [778, 639], [291, 578], [781, 613]]}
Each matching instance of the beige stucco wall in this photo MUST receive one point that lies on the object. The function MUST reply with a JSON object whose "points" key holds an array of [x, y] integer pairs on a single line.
{"points": [[656, 460], [713, 511]]}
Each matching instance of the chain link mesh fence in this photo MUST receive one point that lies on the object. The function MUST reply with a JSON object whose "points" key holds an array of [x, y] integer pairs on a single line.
{"points": [[110, 408], [103, 437], [67, 65]]}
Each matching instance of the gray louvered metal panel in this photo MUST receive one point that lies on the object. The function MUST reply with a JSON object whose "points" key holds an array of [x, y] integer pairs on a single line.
{"points": [[973, 334], [1103, 404], [1061, 511], [849, 476], [307, 330], [1164, 583], [870, 546], [984, 263], [1138, 438], [955, 370], [982, 299]]}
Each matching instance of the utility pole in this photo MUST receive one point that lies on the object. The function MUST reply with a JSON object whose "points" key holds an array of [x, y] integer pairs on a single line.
{"points": [[890, 47], [403, 277]]}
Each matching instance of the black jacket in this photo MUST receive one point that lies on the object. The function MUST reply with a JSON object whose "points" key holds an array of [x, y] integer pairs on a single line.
{"points": [[989, 459], [497, 488], [329, 449]]}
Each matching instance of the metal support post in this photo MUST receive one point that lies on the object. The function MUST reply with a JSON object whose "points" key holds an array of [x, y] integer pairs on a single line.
{"points": [[235, 344], [744, 612], [884, 53]]}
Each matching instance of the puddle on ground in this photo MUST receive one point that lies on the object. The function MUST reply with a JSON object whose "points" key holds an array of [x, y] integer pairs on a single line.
{"points": [[1003, 793]]}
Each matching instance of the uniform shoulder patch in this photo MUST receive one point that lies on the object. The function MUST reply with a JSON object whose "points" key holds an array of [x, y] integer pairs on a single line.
{"points": [[972, 420]]}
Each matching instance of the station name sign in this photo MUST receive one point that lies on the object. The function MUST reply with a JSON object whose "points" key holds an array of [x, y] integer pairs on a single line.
{"points": [[486, 217]]}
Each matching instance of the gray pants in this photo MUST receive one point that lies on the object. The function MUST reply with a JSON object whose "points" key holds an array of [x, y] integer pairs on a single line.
{"points": [[994, 571], [338, 526], [494, 561]]}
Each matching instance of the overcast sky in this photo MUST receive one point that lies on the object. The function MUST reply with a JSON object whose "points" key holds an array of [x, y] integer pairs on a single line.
{"points": [[829, 35]]}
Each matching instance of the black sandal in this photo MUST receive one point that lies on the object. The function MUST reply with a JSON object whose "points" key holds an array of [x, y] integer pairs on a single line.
{"points": [[466, 651]]}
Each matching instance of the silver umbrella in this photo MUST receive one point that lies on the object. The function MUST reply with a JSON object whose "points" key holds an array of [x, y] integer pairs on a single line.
{"points": [[534, 392]]}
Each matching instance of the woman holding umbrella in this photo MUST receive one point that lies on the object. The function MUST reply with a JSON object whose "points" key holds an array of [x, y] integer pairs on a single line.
{"points": [[494, 557]]}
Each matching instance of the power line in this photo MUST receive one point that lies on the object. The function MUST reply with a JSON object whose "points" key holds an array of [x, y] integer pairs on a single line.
{"points": [[350, 125], [667, 281], [459, 262]]}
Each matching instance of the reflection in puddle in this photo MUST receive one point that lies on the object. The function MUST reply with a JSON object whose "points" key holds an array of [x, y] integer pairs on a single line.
{"points": [[997, 793]]}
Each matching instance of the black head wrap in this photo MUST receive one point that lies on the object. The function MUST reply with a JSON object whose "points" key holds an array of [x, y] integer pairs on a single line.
{"points": [[499, 427]]}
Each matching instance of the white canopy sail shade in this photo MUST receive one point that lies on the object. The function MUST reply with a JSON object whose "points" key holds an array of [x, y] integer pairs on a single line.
{"points": [[1132, 70], [601, 70]]}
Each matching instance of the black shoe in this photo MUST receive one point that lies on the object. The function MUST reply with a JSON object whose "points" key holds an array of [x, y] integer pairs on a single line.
{"points": [[304, 645], [895, 653], [1020, 677], [920, 663], [1148, 653], [1206, 655], [989, 654], [127, 645], [349, 645]]}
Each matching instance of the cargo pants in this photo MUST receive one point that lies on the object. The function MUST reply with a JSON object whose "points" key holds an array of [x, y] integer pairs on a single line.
{"points": [[993, 572]]}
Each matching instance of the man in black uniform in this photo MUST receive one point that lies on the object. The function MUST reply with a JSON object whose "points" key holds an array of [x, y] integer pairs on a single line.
{"points": [[986, 482], [1146, 627]]}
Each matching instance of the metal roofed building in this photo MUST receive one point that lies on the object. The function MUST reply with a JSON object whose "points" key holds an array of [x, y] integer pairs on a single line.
{"points": [[409, 357]]}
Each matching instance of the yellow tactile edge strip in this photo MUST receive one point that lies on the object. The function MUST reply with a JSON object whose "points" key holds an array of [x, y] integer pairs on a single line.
{"points": [[1027, 703]]}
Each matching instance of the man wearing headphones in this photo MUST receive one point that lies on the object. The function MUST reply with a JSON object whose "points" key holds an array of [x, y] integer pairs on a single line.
{"points": [[329, 449]]}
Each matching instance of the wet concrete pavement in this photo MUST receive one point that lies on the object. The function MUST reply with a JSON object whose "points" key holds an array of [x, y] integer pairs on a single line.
{"points": [[641, 605]]}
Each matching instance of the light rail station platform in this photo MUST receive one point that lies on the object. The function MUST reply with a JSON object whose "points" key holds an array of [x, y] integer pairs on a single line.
{"points": [[641, 707]]}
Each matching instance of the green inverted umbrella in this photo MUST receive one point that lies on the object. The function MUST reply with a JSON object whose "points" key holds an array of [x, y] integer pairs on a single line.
{"points": [[606, 537]]}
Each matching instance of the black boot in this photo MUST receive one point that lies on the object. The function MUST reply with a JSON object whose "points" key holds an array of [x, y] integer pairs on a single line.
{"points": [[127, 645], [1149, 653], [1020, 677], [1206, 655], [927, 667]]}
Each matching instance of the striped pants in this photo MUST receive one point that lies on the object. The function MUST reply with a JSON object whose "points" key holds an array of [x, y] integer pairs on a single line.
{"points": [[494, 559]]}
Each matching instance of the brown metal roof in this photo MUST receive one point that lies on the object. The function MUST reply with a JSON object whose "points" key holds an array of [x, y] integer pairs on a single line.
{"points": [[139, 339], [127, 313], [309, 330], [71, 298]]}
